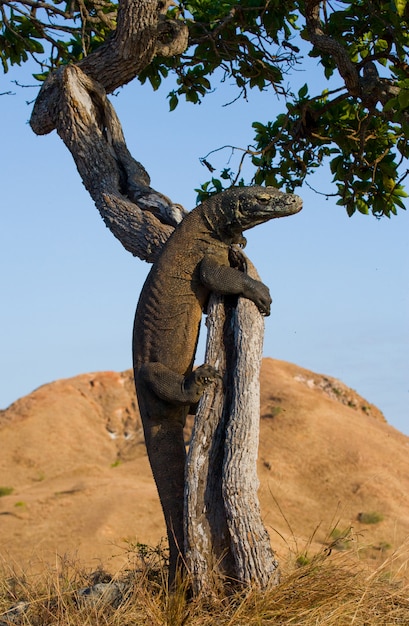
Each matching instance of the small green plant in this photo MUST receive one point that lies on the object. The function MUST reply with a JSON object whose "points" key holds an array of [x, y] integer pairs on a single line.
{"points": [[20, 504], [340, 539], [116, 463], [370, 518], [272, 411], [382, 546], [302, 560], [6, 491]]}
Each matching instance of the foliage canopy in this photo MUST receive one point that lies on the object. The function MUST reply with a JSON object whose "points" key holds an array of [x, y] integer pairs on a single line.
{"points": [[358, 123]]}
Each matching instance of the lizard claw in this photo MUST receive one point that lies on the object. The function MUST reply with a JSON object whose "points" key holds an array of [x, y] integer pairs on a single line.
{"points": [[206, 374], [199, 379]]}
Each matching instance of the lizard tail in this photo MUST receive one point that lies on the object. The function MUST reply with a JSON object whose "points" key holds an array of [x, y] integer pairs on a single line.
{"points": [[167, 456]]}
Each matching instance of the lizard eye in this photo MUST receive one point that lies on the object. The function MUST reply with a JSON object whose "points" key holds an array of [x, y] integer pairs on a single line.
{"points": [[263, 199]]}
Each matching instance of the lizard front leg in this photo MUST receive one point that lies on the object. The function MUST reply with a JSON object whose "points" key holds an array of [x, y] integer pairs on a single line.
{"points": [[226, 280]]}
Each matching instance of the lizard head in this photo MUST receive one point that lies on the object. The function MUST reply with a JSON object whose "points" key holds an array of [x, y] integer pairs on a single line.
{"points": [[250, 206], [230, 212]]}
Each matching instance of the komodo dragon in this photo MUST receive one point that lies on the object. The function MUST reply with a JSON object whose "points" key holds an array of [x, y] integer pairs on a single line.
{"points": [[193, 263]]}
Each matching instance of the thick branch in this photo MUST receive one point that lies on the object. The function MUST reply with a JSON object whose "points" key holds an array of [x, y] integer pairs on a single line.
{"points": [[141, 33], [369, 87], [140, 217], [328, 45], [139, 36]]}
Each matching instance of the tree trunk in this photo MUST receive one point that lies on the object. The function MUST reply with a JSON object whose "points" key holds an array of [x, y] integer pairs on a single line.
{"points": [[253, 556], [224, 531], [207, 539], [224, 534]]}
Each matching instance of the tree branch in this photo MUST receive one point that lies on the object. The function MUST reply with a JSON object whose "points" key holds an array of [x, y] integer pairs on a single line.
{"points": [[140, 217], [328, 45]]}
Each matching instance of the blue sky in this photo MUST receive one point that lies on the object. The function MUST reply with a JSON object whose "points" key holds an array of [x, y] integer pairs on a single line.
{"points": [[69, 290]]}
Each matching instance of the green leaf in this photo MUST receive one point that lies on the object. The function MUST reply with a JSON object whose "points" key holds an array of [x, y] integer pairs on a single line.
{"points": [[328, 71], [191, 96], [334, 164], [398, 202], [362, 206], [390, 104], [303, 91], [400, 6], [217, 185], [41, 77], [173, 101], [399, 191], [378, 205], [155, 80], [403, 98]]}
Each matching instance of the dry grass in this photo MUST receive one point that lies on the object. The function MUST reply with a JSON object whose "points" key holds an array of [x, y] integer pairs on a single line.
{"points": [[329, 589]]}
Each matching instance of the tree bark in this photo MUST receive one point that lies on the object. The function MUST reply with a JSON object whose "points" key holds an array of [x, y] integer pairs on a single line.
{"points": [[224, 532]]}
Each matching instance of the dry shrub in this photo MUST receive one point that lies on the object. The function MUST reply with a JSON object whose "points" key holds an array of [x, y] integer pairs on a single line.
{"points": [[328, 590]]}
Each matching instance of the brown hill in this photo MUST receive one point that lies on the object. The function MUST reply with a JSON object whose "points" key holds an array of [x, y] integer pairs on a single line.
{"points": [[74, 475]]}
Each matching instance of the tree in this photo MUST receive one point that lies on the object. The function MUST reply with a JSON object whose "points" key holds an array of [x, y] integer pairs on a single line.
{"points": [[359, 126]]}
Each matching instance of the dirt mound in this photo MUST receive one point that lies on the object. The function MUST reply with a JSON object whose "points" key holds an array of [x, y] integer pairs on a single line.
{"points": [[74, 476]]}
